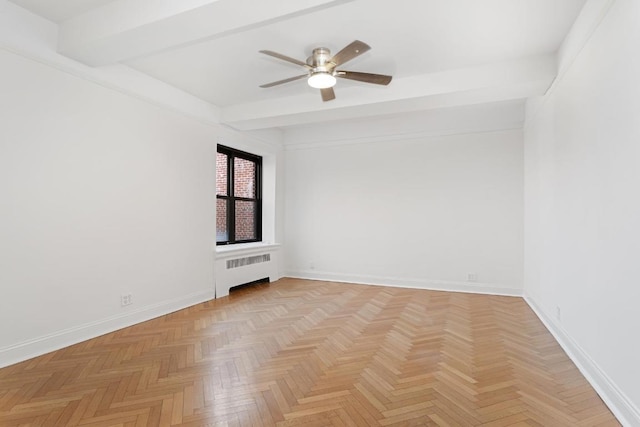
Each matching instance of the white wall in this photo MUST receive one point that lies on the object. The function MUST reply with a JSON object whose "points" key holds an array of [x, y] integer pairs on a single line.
{"points": [[421, 210], [107, 188], [582, 243], [102, 195]]}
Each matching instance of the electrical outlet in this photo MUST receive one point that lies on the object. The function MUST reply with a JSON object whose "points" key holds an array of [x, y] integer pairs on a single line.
{"points": [[312, 265], [472, 277], [125, 299], [558, 313]]}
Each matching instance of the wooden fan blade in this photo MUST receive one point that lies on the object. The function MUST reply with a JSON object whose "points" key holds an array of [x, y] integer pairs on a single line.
{"points": [[351, 51], [327, 94], [279, 82], [284, 57], [378, 79]]}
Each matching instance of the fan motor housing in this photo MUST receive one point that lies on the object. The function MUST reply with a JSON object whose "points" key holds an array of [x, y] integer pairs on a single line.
{"points": [[320, 60]]}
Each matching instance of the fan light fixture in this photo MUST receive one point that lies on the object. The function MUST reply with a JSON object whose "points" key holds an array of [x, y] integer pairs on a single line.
{"points": [[321, 69], [321, 80]]}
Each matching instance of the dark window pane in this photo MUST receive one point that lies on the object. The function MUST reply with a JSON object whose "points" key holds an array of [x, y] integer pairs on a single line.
{"points": [[237, 194], [245, 220], [244, 175], [222, 232], [221, 174]]}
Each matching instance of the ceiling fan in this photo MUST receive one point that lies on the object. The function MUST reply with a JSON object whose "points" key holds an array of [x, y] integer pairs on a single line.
{"points": [[322, 69]]}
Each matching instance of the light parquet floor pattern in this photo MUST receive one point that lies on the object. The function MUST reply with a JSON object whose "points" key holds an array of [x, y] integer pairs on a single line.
{"points": [[313, 353]]}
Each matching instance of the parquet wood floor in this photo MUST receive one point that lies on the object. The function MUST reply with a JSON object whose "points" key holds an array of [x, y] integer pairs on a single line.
{"points": [[316, 354]]}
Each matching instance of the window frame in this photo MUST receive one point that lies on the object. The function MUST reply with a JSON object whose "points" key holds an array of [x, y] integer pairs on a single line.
{"points": [[231, 198]]}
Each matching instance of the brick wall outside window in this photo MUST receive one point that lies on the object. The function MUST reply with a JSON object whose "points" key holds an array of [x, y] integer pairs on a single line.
{"points": [[245, 223], [244, 178]]}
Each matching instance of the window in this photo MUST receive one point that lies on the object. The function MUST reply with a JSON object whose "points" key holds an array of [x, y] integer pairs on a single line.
{"points": [[238, 197]]}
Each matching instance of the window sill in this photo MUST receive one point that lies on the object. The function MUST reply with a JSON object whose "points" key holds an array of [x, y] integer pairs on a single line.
{"points": [[228, 251]]}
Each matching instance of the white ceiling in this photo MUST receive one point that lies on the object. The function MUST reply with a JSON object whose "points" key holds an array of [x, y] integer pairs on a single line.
{"points": [[60, 10], [441, 52]]}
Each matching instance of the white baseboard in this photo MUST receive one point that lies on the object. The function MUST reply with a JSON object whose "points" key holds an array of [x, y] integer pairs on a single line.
{"points": [[57, 340], [434, 285], [626, 412]]}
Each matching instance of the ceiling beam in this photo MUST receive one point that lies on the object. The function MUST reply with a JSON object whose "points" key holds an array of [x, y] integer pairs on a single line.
{"points": [[128, 29], [488, 83]]}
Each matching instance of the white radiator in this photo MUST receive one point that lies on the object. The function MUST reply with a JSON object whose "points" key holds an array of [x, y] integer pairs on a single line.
{"points": [[235, 268], [241, 262]]}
